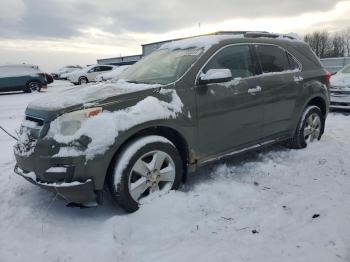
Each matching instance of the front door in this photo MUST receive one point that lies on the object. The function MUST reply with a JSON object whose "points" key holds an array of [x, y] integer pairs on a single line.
{"points": [[230, 114]]}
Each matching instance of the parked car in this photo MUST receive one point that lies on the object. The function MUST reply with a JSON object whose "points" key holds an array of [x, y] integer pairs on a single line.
{"points": [[60, 74], [340, 89], [187, 104], [65, 76], [49, 78], [21, 77], [111, 74], [89, 74]]}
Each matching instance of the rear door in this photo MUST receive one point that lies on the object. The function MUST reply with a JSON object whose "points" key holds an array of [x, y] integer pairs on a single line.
{"points": [[279, 83], [230, 114]]}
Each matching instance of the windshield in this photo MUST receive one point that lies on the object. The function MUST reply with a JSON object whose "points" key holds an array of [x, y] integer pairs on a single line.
{"points": [[346, 70], [162, 67]]}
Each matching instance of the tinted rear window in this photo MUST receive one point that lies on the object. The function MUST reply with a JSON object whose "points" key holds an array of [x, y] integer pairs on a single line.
{"points": [[272, 58]]}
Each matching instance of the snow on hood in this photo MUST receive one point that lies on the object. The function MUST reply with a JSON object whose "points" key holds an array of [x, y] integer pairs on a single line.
{"points": [[340, 79], [88, 93], [205, 42], [105, 127]]}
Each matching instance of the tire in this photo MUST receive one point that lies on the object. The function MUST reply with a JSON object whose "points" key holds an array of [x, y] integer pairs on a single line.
{"points": [[83, 80], [33, 86], [310, 128], [128, 187]]}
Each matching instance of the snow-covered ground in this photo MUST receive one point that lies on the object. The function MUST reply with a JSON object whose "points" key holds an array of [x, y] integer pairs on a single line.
{"points": [[258, 207]]}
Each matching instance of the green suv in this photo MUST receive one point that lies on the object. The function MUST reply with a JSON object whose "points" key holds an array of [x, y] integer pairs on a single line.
{"points": [[191, 102]]}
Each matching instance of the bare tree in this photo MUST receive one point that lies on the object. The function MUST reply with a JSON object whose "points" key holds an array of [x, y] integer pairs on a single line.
{"points": [[337, 46], [320, 42], [346, 38]]}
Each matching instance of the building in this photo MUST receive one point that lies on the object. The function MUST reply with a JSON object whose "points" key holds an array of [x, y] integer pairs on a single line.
{"points": [[122, 60]]}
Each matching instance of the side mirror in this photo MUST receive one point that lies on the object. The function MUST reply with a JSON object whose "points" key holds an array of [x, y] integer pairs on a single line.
{"points": [[215, 76]]}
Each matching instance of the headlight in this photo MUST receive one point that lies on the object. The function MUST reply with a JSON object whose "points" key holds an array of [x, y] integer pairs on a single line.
{"points": [[68, 124]]}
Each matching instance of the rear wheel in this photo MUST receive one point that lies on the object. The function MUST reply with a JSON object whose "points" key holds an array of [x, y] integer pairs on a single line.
{"points": [[310, 128], [148, 167], [33, 86]]}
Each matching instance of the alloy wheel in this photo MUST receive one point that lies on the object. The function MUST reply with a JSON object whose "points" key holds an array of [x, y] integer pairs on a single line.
{"points": [[151, 173], [33, 86], [312, 128]]}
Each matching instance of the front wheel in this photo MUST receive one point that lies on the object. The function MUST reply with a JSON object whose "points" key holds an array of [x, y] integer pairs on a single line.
{"points": [[83, 80], [147, 167], [310, 128]]}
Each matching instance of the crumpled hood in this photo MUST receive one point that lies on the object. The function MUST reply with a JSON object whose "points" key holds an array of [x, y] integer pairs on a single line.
{"points": [[86, 94]]}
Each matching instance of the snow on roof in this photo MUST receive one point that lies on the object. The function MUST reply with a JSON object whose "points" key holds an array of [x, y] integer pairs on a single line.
{"points": [[18, 70], [205, 42]]}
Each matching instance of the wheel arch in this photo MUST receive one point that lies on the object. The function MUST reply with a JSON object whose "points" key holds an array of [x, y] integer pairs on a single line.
{"points": [[170, 133], [32, 80], [317, 100], [35, 80]]}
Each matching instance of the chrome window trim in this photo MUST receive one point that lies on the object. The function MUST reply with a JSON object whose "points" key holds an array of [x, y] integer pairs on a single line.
{"points": [[248, 44]]}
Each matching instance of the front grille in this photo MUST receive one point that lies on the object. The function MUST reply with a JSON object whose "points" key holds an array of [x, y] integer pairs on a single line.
{"points": [[339, 104]]}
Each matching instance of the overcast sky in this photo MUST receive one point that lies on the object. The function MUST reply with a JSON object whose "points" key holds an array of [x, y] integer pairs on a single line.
{"points": [[53, 33]]}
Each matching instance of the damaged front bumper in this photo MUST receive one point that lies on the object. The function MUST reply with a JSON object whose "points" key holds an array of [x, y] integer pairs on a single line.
{"points": [[75, 192]]}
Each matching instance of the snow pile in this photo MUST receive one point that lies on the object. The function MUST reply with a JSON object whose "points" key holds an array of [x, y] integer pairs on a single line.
{"points": [[88, 93], [104, 128], [205, 42], [25, 146], [276, 205]]}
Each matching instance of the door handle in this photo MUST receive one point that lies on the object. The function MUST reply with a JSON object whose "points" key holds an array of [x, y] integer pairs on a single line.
{"points": [[255, 90]]}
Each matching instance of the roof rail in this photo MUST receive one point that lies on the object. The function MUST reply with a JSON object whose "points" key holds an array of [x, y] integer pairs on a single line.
{"points": [[237, 32], [267, 34]]}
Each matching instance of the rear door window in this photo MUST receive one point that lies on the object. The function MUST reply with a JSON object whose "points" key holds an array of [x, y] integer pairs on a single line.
{"points": [[237, 58], [273, 59], [105, 68], [293, 63]]}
